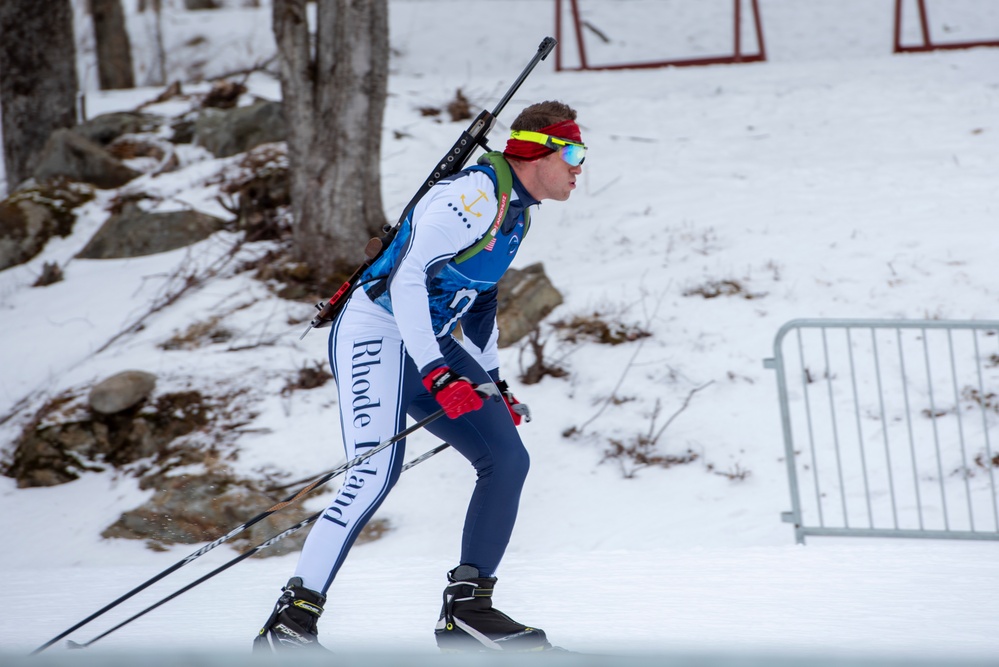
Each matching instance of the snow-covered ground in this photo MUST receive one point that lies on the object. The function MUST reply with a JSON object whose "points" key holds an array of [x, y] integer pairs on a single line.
{"points": [[836, 179]]}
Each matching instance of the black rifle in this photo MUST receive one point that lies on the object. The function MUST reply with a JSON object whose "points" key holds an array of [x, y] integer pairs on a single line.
{"points": [[453, 160]]}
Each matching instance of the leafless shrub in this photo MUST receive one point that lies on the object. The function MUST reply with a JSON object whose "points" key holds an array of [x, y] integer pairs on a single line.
{"points": [[713, 289], [459, 108], [598, 327], [224, 94], [736, 473], [374, 530], [811, 377], [256, 191], [988, 401], [539, 368], [198, 335], [289, 278], [183, 279], [775, 270], [640, 450], [983, 460], [51, 273], [613, 398], [308, 377], [130, 147], [172, 91]]}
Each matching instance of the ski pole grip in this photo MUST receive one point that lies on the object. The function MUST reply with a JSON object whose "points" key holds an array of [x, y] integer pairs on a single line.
{"points": [[523, 410]]}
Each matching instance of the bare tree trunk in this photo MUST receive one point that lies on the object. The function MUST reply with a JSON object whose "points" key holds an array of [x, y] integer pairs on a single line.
{"points": [[334, 99], [114, 52], [38, 82], [153, 74]]}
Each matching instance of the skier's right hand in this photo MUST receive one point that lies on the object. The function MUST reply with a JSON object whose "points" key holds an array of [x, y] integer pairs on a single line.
{"points": [[454, 393]]}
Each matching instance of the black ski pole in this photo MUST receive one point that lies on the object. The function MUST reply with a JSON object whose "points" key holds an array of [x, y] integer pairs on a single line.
{"points": [[243, 556], [451, 162], [424, 456], [408, 465], [484, 389]]}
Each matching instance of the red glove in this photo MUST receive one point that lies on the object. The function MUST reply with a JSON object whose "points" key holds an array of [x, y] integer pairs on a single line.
{"points": [[517, 409], [455, 393]]}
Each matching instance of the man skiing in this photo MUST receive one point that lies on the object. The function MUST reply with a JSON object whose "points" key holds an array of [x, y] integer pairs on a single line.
{"points": [[393, 353]]}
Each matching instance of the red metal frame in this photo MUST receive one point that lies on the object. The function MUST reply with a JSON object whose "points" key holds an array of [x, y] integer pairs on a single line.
{"points": [[737, 55], [924, 27]]}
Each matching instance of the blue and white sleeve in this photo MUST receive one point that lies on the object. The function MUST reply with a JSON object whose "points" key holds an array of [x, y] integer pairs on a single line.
{"points": [[480, 331], [439, 233]]}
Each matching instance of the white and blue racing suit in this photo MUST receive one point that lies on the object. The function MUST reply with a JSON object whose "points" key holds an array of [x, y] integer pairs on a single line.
{"points": [[396, 328]]}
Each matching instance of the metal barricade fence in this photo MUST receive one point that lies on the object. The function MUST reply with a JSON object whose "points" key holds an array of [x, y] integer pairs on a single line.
{"points": [[889, 427]]}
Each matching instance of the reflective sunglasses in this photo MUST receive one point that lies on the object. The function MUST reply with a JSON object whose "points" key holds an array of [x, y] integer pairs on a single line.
{"points": [[570, 151]]}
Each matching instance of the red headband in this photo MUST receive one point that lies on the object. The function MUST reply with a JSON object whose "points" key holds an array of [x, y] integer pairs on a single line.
{"points": [[528, 150]]}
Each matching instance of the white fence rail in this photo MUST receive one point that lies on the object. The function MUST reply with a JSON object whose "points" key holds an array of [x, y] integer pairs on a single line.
{"points": [[890, 427]]}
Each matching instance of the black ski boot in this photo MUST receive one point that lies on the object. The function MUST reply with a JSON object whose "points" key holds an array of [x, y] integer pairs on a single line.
{"points": [[468, 621], [292, 624]]}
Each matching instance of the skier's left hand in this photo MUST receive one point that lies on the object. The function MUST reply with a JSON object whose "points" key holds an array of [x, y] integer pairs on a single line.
{"points": [[517, 409]]}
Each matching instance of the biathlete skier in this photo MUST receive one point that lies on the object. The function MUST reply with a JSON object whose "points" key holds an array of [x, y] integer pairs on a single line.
{"points": [[392, 353]]}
